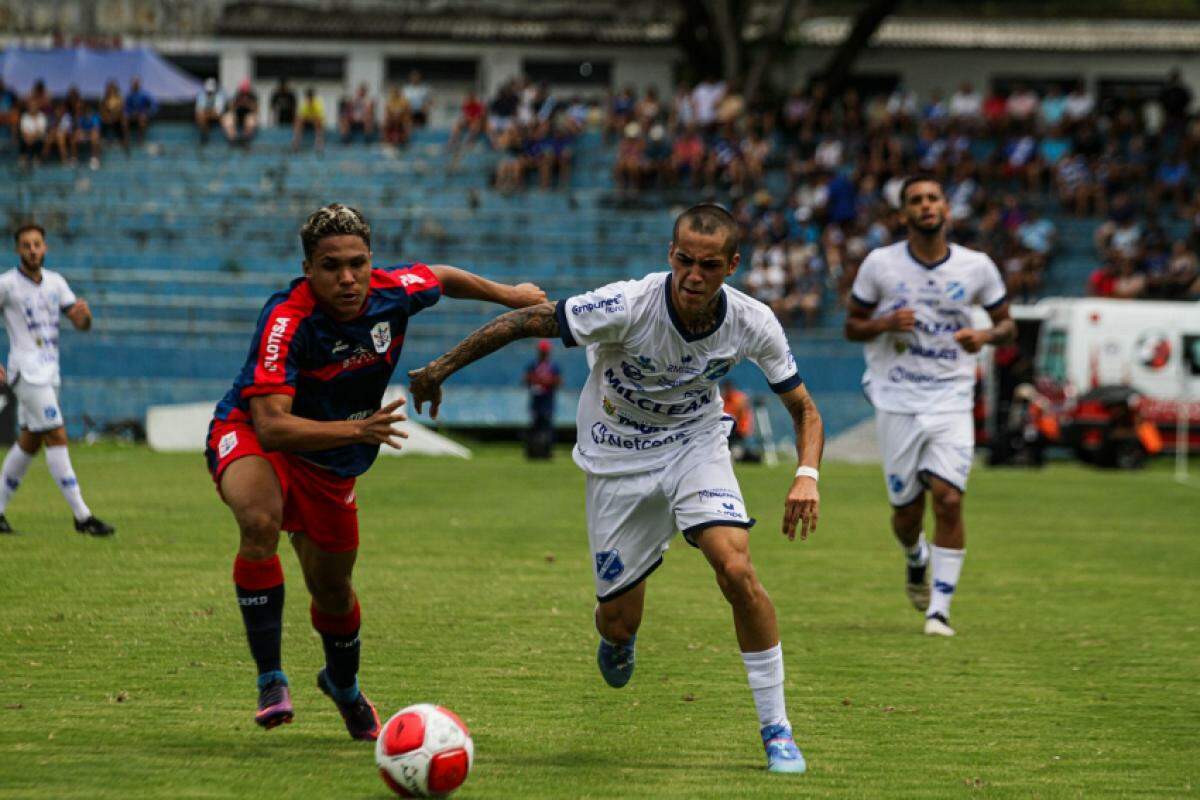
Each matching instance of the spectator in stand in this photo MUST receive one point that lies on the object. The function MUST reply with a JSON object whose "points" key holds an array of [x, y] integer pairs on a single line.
{"points": [[510, 174], [683, 109], [732, 106], [1079, 105], [687, 157], [10, 110], [1172, 179], [210, 107], [656, 158], [310, 116], [356, 115], [620, 112], [648, 110], [1182, 277], [1102, 280], [398, 119], [936, 112], [87, 132], [1039, 237], [113, 122], [240, 122], [1023, 106], [627, 172], [995, 112], [61, 136], [38, 99], [502, 113], [471, 123], [705, 99], [283, 104], [1175, 99], [1128, 282], [902, 104], [420, 98], [966, 106], [1077, 187], [1053, 109], [34, 130], [139, 108]]}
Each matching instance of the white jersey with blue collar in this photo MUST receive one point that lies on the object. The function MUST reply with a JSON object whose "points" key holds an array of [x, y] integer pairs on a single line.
{"points": [[653, 388], [924, 370], [31, 315]]}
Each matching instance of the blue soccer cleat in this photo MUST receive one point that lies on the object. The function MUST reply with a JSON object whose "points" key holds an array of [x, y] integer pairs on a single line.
{"points": [[616, 662], [782, 753]]}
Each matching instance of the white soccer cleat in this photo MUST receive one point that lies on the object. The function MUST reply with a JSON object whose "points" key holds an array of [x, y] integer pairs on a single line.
{"points": [[937, 625]]}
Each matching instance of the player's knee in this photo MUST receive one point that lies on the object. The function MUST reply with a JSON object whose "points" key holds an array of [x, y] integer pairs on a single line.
{"points": [[737, 579], [948, 504], [260, 533], [332, 595]]}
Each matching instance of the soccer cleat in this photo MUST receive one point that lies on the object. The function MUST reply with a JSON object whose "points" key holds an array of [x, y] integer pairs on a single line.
{"points": [[938, 625], [4, 526], [782, 753], [361, 718], [95, 526], [274, 705], [917, 586], [616, 662]]}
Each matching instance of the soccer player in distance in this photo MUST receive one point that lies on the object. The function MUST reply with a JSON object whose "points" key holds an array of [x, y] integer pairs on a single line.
{"points": [[911, 303], [652, 441], [32, 298], [302, 421]]}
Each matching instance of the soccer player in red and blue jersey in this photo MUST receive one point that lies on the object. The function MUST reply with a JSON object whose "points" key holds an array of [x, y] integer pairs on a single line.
{"points": [[302, 421]]}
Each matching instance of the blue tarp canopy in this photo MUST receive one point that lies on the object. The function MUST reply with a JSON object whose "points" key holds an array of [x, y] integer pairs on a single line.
{"points": [[90, 70]]}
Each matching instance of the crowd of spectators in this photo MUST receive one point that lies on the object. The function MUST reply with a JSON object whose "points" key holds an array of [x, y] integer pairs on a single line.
{"points": [[1138, 259], [44, 128]]}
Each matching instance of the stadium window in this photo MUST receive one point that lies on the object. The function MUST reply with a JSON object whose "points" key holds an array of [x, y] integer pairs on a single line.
{"points": [[585, 72], [200, 67], [1004, 84], [1119, 92], [434, 70], [302, 68]]}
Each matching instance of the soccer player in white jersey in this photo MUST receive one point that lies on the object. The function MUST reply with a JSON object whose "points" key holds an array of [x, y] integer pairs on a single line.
{"points": [[32, 298], [911, 303], [652, 441]]}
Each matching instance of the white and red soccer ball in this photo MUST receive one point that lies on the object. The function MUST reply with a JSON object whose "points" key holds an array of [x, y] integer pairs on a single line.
{"points": [[424, 751]]}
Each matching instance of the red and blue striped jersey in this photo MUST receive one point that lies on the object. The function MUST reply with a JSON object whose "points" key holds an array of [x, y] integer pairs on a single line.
{"points": [[333, 370]]}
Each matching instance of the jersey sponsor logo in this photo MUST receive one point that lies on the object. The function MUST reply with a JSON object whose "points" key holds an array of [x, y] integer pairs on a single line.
{"points": [[902, 375], [610, 305], [936, 353], [706, 494], [936, 328], [603, 435], [640, 427], [227, 443], [646, 404], [275, 344], [381, 336], [609, 565]]}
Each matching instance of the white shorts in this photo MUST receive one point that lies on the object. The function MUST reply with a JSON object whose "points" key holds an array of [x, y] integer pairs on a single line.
{"points": [[916, 446], [632, 518], [37, 406]]}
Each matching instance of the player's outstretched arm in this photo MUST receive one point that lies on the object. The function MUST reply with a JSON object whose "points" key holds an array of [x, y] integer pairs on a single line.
{"points": [[80, 315], [425, 384], [465, 285], [279, 429], [860, 327], [803, 503]]}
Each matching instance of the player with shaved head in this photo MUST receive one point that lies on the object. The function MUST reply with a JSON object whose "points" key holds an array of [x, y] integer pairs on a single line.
{"points": [[652, 440], [302, 421]]}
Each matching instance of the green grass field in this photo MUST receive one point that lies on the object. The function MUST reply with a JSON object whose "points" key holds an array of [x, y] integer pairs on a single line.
{"points": [[124, 671]]}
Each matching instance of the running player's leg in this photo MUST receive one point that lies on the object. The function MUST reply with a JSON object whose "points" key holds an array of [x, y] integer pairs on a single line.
{"points": [[901, 440], [251, 489], [16, 464], [58, 460], [629, 525], [945, 467]]}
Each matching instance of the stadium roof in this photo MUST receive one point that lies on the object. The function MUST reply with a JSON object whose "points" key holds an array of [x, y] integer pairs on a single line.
{"points": [[1028, 34]]}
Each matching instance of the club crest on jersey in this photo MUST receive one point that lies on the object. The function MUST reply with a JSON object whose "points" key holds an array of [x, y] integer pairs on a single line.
{"points": [[717, 368], [956, 291], [227, 443], [381, 336], [408, 279], [609, 408]]}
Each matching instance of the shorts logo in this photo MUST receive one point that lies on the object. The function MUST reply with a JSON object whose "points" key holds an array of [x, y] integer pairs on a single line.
{"points": [[609, 565], [50, 412], [895, 484], [227, 443], [350, 497], [381, 336]]}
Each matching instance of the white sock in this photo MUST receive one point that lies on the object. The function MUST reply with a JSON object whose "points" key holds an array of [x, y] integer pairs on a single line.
{"points": [[918, 554], [947, 564], [60, 467], [764, 671], [16, 463]]}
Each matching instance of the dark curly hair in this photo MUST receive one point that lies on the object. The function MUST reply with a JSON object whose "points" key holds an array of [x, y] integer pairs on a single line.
{"points": [[334, 219]]}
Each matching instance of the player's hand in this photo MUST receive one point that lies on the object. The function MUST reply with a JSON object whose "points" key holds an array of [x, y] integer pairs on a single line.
{"points": [[802, 508], [525, 294], [902, 320], [377, 428], [972, 340], [424, 385]]}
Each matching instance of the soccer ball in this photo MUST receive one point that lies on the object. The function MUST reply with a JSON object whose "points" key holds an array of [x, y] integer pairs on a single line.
{"points": [[424, 751]]}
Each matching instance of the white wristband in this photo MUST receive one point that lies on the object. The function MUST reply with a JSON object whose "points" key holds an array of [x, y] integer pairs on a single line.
{"points": [[808, 472]]}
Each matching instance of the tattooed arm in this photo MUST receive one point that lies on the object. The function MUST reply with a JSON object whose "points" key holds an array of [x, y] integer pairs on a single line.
{"points": [[425, 384], [803, 501]]}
